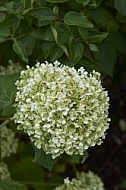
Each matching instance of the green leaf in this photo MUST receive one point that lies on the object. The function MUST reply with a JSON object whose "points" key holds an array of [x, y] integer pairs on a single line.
{"points": [[113, 26], [7, 94], [12, 23], [83, 32], [48, 36], [103, 19], [7, 184], [4, 32], [107, 57], [56, 53], [29, 43], [20, 49], [42, 13], [74, 18], [93, 47], [38, 34], [62, 35], [85, 2], [2, 39], [97, 37], [57, 1], [120, 5], [46, 49], [41, 2], [27, 4], [88, 63], [44, 159], [94, 3], [116, 40], [9, 6], [26, 170], [74, 5], [77, 50], [2, 17]]}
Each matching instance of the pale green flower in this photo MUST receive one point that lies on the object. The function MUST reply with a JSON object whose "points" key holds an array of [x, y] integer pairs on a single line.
{"points": [[62, 109], [8, 142], [84, 181], [10, 68], [4, 173]]}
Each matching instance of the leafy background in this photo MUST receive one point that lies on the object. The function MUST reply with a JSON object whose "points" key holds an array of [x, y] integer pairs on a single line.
{"points": [[88, 33]]}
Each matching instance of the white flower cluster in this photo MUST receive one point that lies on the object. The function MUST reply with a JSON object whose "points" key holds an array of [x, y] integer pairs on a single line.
{"points": [[84, 181], [4, 173], [62, 109], [11, 68], [8, 142]]}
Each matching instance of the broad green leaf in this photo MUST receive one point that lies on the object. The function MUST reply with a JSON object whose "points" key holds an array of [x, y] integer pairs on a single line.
{"points": [[113, 26], [26, 170], [29, 43], [2, 39], [41, 2], [88, 63], [56, 53], [74, 5], [7, 184], [43, 23], [103, 19], [57, 1], [93, 47], [46, 49], [2, 17], [92, 36], [20, 49], [97, 37], [27, 4], [48, 36], [116, 40], [44, 159], [85, 2], [4, 32], [75, 18], [120, 5], [77, 50], [94, 3], [62, 35], [9, 6], [12, 23], [38, 34], [83, 32], [7, 94], [42, 13], [107, 57]]}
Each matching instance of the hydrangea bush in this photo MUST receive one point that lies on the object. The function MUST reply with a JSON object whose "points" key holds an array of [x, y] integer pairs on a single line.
{"points": [[62, 109], [9, 143], [11, 68], [4, 173], [83, 181]]}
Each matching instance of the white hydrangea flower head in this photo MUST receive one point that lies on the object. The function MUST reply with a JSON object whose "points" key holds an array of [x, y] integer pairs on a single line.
{"points": [[84, 181], [62, 109], [11, 68], [4, 173], [8, 142]]}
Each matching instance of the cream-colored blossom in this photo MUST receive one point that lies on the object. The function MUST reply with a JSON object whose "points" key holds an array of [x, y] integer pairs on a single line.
{"points": [[8, 142], [10, 68], [4, 173], [84, 181], [62, 109]]}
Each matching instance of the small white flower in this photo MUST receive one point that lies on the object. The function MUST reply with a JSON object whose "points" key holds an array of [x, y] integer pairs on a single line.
{"points": [[66, 180]]}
